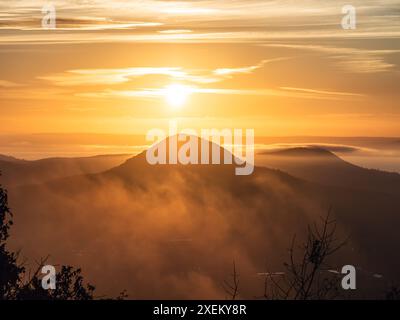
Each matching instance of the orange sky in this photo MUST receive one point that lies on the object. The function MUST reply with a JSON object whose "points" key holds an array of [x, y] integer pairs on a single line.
{"points": [[283, 68]]}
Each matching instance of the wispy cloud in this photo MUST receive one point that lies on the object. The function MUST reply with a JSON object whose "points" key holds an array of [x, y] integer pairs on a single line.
{"points": [[209, 21], [109, 76], [227, 72], [321, 92], [349, 59], [151, 93], [123, 75], [78, 24], [175, 31], [8, 84]]}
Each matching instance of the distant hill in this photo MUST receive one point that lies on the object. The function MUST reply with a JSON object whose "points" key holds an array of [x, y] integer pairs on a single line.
{"points": [[18, 172], [324, 167], [9, 158], [172, 231]]}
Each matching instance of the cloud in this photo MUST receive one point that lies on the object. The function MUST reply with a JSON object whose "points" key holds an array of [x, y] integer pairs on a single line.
{"points": [[20, 92], [216, 36], [100, 24], [122, 75], [151, 93], [109, 76], [321, 92], [211, 21], [175, 31], [326, 146], [227, 72], [8, 84], [94, 77], [349, 59]]}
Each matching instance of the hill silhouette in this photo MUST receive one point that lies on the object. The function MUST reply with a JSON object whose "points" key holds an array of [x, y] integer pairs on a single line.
{"points": [[9, 158], [171, 231], [324, 167], [18, 172]]}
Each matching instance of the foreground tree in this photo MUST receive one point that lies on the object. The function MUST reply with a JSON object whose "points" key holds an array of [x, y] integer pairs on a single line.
{"points": [[307, 274], [10, 271], [16, 283], [231, 287]]}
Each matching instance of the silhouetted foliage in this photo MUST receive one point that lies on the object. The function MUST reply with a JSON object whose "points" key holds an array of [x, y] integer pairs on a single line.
{"points": [[10, 271], [232, 287], [17, 284], [69, 287], [393, 293], [307, 275]]}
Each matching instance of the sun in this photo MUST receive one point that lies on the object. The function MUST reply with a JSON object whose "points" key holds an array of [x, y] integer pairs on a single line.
{"points": [[176, 95]]}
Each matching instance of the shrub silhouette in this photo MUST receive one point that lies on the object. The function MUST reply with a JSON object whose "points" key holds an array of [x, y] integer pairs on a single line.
{"points": [[308, 276], [17, 284]]}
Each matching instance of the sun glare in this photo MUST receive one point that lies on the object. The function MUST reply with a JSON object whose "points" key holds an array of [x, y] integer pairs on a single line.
{"points": [[176, 95]]}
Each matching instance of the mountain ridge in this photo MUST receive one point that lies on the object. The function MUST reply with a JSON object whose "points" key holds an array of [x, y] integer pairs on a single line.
{"points": [[136, 211], [324, 167]]}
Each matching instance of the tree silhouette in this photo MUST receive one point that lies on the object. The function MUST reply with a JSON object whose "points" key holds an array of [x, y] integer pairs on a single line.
{"points": [[393, 293], [231, 288], [307, 274], [17, 284]]}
